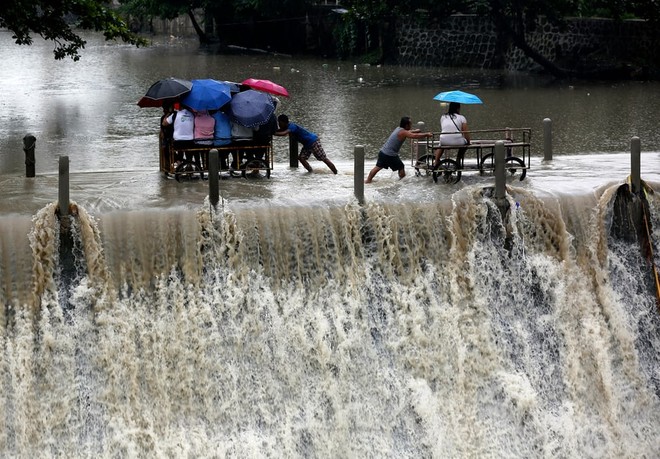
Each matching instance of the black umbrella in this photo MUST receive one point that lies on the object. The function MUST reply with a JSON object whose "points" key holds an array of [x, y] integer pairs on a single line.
{"points": [[168, 88]]}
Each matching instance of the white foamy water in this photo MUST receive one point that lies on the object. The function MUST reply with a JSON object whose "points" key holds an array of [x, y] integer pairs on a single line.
{"points": [[389, 330], [293, 322]]}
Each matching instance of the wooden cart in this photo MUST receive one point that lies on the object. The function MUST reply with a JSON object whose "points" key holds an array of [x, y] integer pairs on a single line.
{"points": [[478, 156], [239, 158]]}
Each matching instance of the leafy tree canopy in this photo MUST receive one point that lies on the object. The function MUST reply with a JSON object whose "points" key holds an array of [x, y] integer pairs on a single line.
{"points": [[164, 9], [227, 9], [58, 20]]}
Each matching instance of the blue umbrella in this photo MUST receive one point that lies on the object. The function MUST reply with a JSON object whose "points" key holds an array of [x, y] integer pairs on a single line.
{"points": [[251, 108], [458, 96], [233, 87], [207, 95]]}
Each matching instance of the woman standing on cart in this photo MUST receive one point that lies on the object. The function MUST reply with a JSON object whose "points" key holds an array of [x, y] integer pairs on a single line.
{"points": [[454, 132]]}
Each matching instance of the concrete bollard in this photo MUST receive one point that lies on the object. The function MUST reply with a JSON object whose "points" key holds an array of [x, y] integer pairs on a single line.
{"points": [[359, 173], [63, 191], [635, 164], [547, 139], [500, 171], [293, 152], [29, 142], [214, 187]]}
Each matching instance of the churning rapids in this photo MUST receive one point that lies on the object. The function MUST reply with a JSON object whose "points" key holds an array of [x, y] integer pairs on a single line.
{"points": [[400, 330]]}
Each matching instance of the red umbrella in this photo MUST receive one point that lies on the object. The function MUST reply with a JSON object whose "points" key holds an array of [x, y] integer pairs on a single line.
{"points": [[148, 102], [266, 86]]}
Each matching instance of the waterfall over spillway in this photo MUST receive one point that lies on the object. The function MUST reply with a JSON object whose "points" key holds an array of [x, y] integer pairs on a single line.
{"points": [[390, 330]]}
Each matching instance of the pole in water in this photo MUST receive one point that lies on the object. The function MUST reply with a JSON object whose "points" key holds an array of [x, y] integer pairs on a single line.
{"points": [[214, 187], [63, 193], [547, 139], [635, 164], [29, 142], [359, 173], [421, 146], [500, 171], [293, 152]]}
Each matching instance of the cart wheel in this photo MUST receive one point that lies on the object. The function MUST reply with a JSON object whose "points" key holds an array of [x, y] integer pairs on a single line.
{"points": [[449, 171], [427, 161], [482, 166], [253, 167], [187, 171], [234, 166], [514, 161]]}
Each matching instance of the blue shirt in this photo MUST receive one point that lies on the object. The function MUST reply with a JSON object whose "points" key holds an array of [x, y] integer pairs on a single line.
{"points": [[222, 132], [302, 135]]}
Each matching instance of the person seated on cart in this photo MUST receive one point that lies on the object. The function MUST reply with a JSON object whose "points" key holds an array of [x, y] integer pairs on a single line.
{"points": [[183, 122], [204, 128], [454, 132], [166, 132], [203, 132], [221, 129], [222, 136]]}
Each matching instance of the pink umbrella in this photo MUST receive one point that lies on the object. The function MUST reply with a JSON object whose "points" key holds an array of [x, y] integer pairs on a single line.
{"points": [[266, 86]]}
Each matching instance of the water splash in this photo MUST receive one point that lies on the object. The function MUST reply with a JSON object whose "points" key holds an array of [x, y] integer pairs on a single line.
{"points": [[400, 330]]}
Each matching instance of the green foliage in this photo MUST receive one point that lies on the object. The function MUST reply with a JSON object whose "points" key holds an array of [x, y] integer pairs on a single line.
{"points": [[345, 34], [227, 10], [375, 11], [164, 9], [57, 20], [620, 9], [260, 9]]}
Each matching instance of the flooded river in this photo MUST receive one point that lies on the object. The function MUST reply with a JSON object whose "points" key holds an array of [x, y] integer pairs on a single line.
{"points": [[87, 111]]}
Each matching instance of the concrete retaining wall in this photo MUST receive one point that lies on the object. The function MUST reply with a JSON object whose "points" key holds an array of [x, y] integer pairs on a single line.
{"points": [[471, 41], [586, 44]]}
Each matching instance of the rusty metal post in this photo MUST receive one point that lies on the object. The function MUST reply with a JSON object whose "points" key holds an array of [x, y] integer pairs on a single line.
{"points": [[547, 139], [63, 192], [293, 152], [359, 173], [29, 142], [214, 186], [635, 164], [500, 171]]}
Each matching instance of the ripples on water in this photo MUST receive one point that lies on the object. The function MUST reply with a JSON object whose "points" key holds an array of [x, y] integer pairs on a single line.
{"points": [[301, 324], [89, 106], [87, 110]]}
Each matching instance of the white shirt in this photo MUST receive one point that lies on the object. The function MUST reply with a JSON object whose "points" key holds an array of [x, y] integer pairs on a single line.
{"points": [[453, 127], [184, 125]]}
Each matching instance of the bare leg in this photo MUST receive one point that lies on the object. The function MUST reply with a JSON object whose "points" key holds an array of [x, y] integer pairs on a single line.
{"points": [[438, 154], [305, 164], [330, 165], [371, 175]]}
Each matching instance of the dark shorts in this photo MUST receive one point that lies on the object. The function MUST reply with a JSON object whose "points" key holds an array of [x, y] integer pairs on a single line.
{"points": [[387, 161], [314, 149]]}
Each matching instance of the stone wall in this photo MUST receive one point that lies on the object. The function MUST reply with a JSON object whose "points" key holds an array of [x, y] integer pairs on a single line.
{"points": [[459, 41], [585, 45]]}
